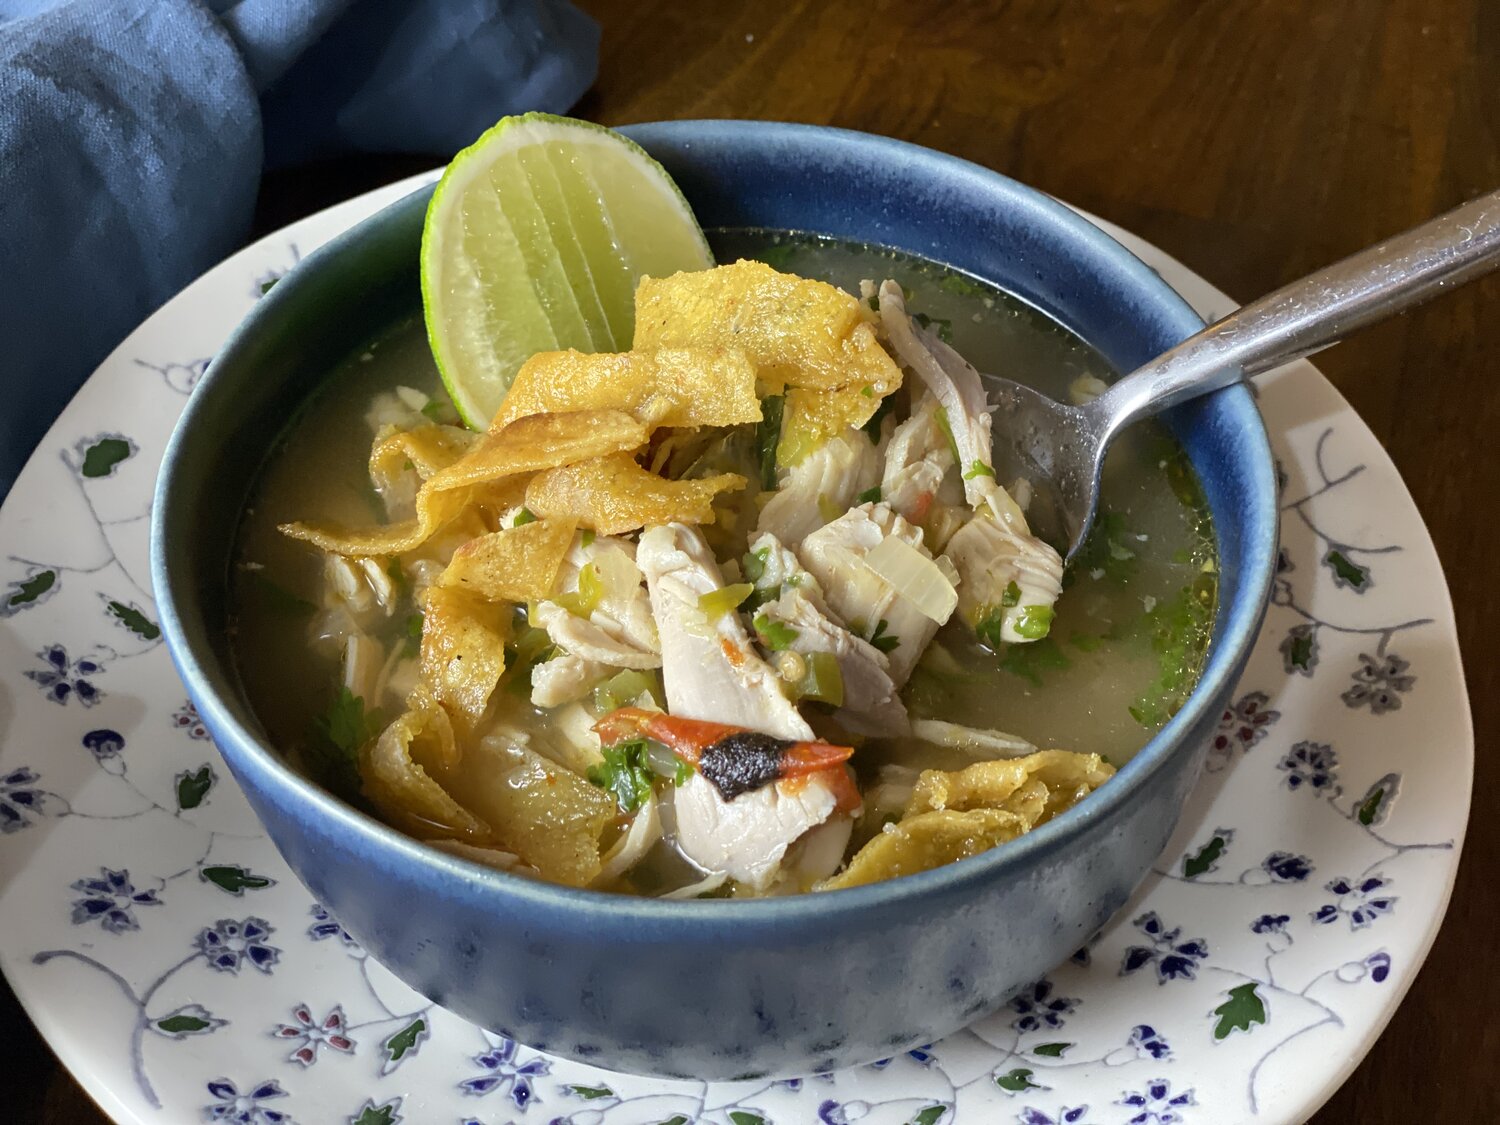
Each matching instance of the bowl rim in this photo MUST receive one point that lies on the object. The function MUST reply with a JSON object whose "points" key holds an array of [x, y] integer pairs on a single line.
{"points": [[249, 754]]}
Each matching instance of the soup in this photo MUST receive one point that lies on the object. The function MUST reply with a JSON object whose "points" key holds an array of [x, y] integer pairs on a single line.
{"points": [[749, 610]]}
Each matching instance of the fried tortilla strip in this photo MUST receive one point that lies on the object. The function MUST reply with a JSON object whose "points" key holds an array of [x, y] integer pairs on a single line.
{"points": [[1064, 778], [463, 651], [424, 450], [542, 441], [926, 841], [954, 815], [797, 332], [667, 387], [434, 509], [613, 495], [518, 564], [547, 815], [395, 773]]}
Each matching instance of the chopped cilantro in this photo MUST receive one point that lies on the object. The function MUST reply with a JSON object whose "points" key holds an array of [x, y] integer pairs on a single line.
{"points": [[276, 596], [884, 641], [397, 575], [959, 284], [1179, 626], [989, 625], [586, 537], [624, 772], [869, 496], [776, 635], [1085, 642], [523, 517], [867, 390], [944, 326], [872, 427], [777, 256], [441, 412], [768, 436], [1106, 549], [412, 638], [1030, 661], [979, 469], [339, 733], [1012, 595]]}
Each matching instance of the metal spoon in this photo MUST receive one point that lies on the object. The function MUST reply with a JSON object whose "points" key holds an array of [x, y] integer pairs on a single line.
{"points": [[1062, 447]]}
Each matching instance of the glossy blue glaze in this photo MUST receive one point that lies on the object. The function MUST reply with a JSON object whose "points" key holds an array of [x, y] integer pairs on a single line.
{"points": [[733, 988]]}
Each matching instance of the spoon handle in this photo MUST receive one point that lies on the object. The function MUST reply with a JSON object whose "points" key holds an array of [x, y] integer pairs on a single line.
{"points": [[1320, 309]]}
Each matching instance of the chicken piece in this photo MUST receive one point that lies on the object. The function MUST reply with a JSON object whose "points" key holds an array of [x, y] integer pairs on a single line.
{"points": [[835, 555], [615, 628], [917, 482], [959, 392], [871, 705], [822, 486], [996, 548], [711, 671], [1008, 582], [565, 678]]}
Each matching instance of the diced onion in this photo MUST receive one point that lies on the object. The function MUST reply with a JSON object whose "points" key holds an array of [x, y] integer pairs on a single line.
{"points": [[915, 577]]}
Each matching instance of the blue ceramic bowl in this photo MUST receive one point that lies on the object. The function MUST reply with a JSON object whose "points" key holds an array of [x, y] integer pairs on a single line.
{"points": [[727, 988]]}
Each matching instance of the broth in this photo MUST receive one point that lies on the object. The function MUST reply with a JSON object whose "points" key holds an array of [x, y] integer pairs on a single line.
{"points": [[1124, 649]]}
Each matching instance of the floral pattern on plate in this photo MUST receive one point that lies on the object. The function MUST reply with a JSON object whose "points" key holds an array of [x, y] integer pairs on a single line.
{"points": [[179, 969]]}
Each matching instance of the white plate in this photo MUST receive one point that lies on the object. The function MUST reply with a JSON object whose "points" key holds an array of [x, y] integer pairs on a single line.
{"points": [[182, 973]]}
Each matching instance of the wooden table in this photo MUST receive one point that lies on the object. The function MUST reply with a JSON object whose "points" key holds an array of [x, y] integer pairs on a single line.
{"points": [[1254, 141]]}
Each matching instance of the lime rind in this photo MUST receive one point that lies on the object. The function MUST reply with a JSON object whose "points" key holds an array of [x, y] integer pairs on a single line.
{"points": [[533, 240]]}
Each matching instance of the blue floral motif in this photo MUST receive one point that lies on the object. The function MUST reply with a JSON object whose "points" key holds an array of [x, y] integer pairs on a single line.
{"points": [[245, 1109], [1174, 960], [1065, 1116], [1360, 901], [21, 804], [104, 744], [186, 719], [110, 900], [1285, 867], [922, 1055], [503, 1073], [63, 679], [228, 944], [1036, 1007], [1270, 924], [1156, 1103], [1148, 1043], [326, 926], [1313, 764], [1379, 684], [1380, 966]]}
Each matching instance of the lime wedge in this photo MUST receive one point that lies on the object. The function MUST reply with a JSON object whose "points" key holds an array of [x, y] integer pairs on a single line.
{"points": [[534, 240]]}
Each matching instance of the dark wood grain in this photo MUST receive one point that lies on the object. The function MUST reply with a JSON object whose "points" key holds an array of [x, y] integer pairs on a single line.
{"points": [[1253, 140]]}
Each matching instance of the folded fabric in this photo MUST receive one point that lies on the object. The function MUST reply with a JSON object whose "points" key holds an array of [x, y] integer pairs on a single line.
{"points": [[133, 134]]}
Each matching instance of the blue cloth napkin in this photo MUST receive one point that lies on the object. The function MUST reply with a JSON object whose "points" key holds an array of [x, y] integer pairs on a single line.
{"points": [[133, 134]]}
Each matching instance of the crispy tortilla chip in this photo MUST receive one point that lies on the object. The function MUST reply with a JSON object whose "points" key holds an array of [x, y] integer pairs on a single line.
{"points": [[547, 815], [923, 842], [797, 332], [424, 450], [542, 441], [518, 564], [954, 815], [1011, 783], [666, 387], [463, 651], [613, 495], [394, 771], [810, 419], [433, 511]]}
